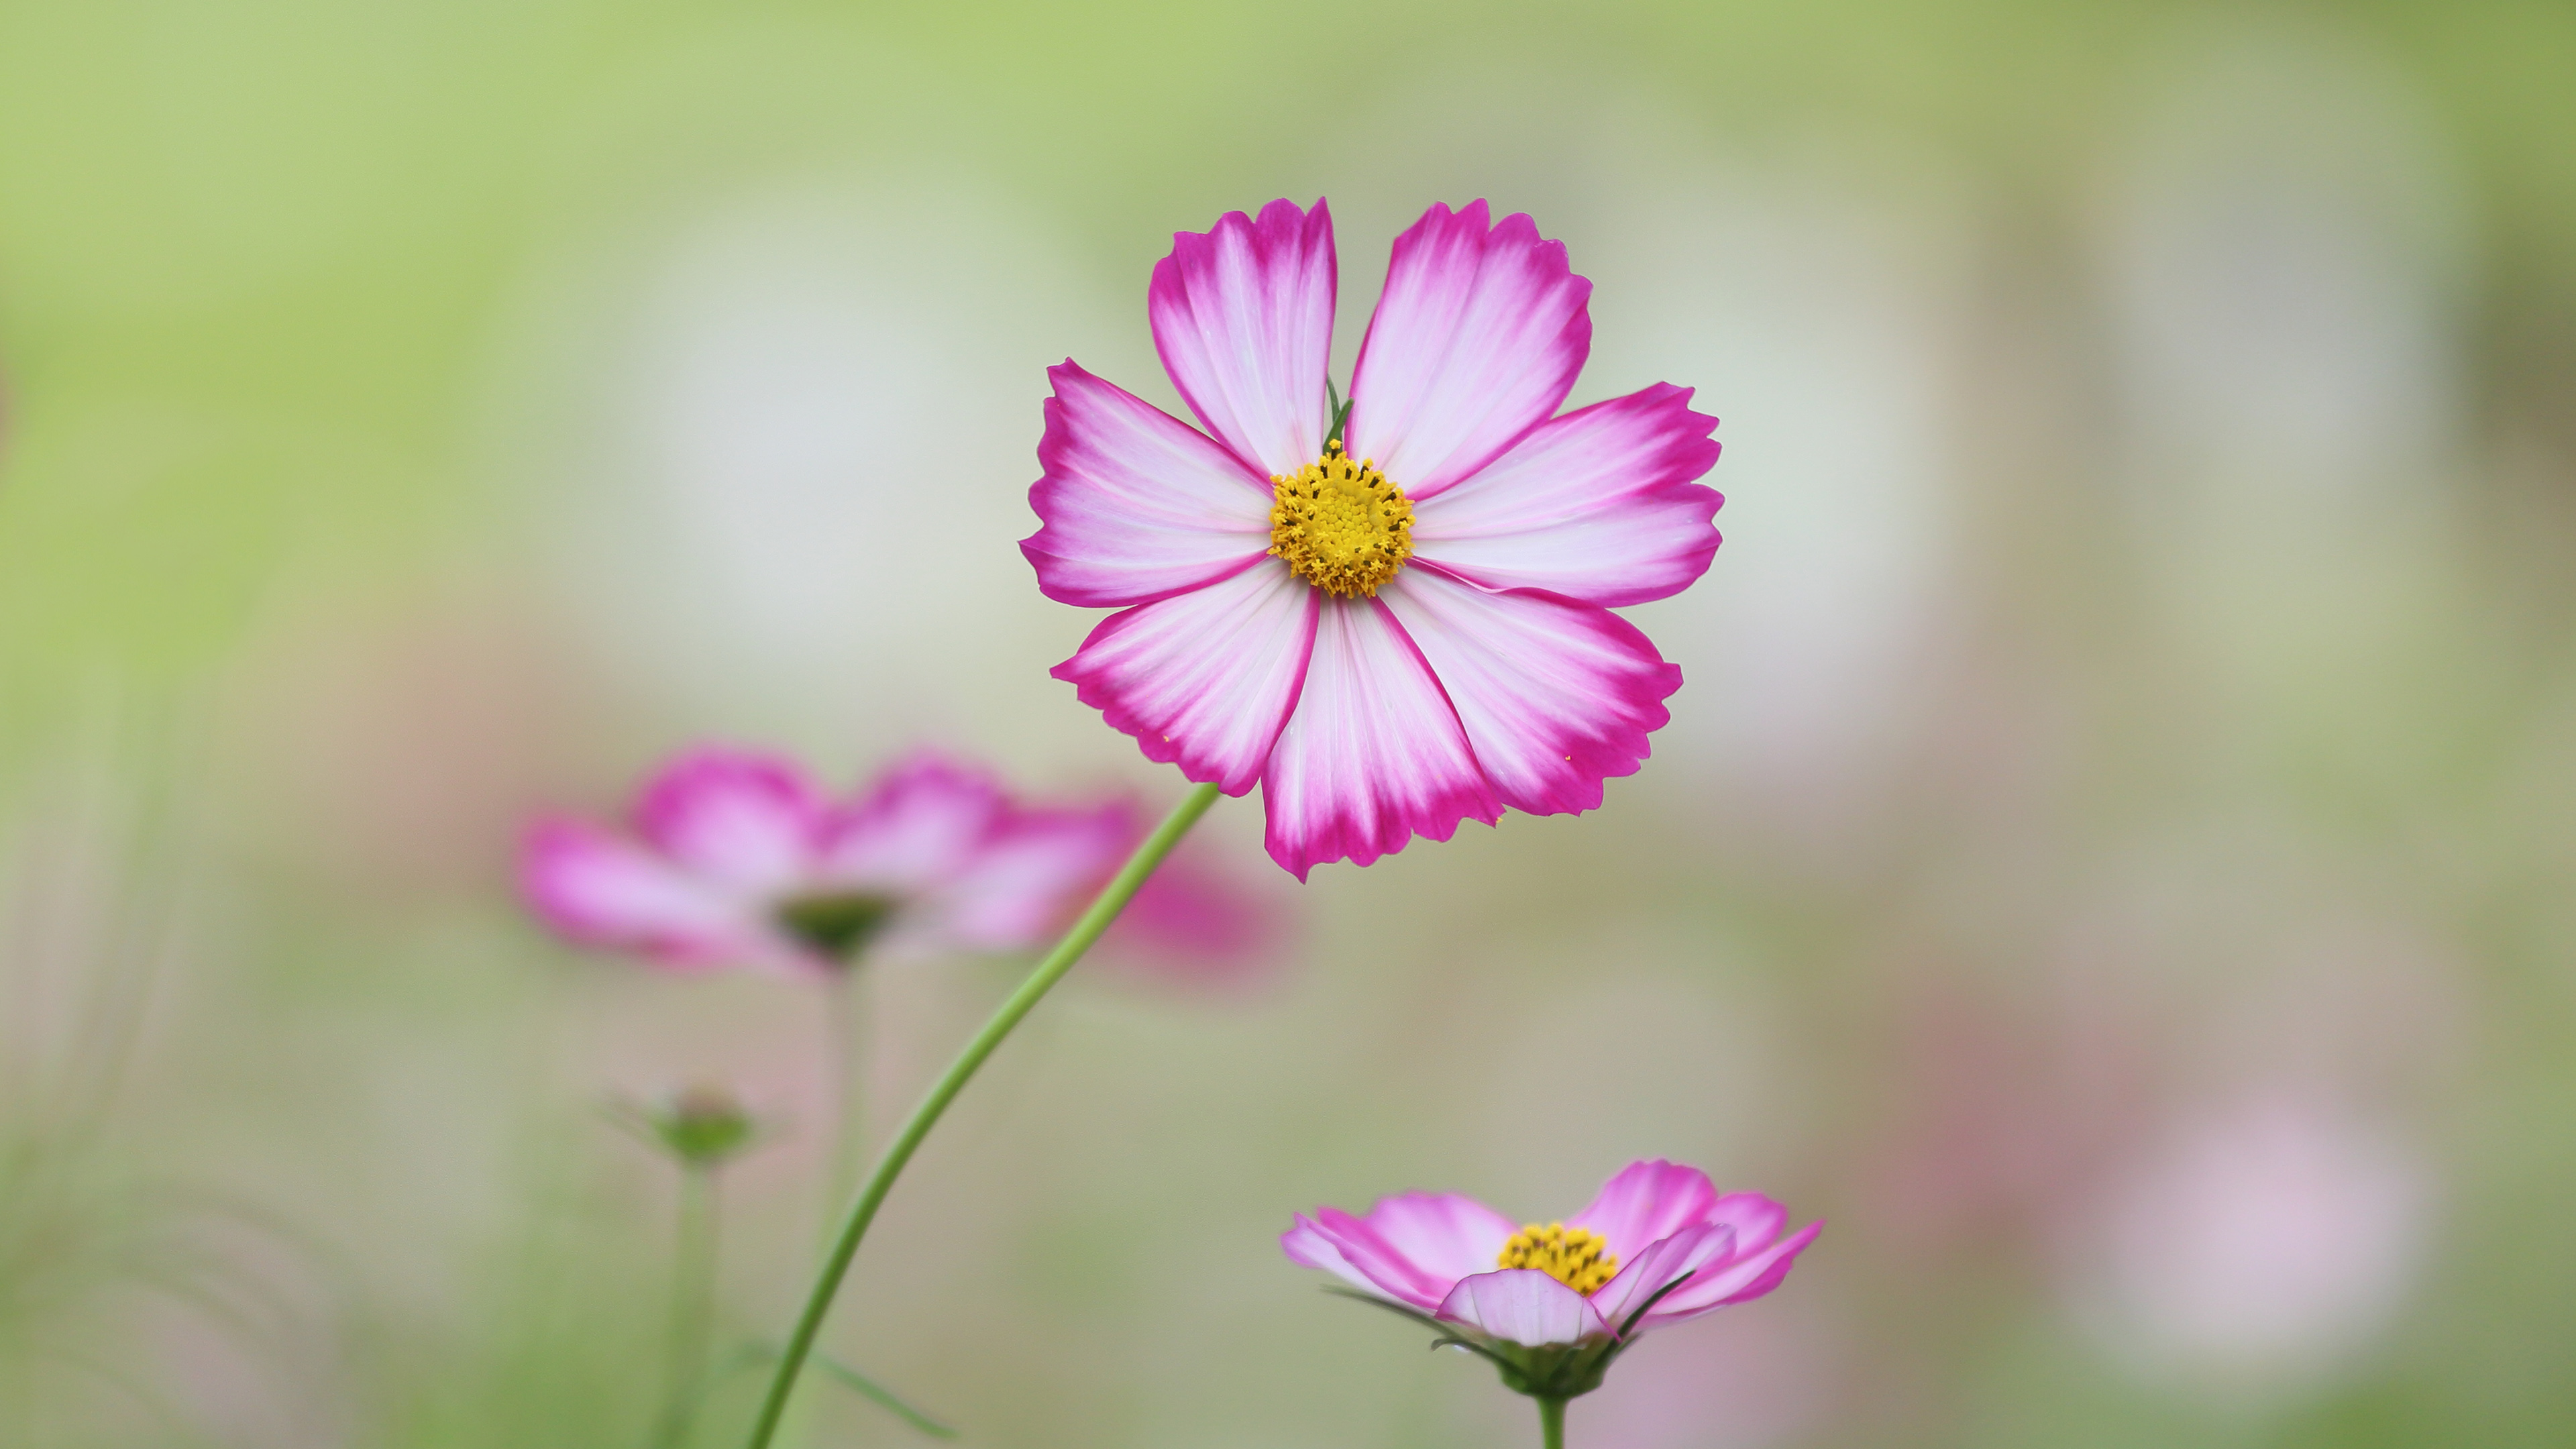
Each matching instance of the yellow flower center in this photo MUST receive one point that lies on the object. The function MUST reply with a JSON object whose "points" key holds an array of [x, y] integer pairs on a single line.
{"points": [[1342, 526], [1579, 1258]]}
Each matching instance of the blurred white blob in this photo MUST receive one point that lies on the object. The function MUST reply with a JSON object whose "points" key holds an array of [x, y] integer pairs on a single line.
{"points": [[813, 450], [2256, 1250], [1806, 313], [2285, 266]]}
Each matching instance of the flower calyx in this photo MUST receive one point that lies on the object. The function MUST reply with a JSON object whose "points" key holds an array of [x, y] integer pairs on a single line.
{"points": [[1556, 1371], [835, 925], [702, 1126]]}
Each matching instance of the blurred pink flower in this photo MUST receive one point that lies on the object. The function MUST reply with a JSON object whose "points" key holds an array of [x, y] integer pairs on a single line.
{"points": [[2259, 1247], [741, 861], [1198, 925], [1407, 632], [1657, 1246]]}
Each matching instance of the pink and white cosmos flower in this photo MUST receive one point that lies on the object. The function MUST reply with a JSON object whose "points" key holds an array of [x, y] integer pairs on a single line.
{"points": [[1555, 1302], [739, 860], [1404, 624]]}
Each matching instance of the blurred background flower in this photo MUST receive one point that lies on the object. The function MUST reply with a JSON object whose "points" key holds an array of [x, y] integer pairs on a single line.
{"points": [[2123, 789]]}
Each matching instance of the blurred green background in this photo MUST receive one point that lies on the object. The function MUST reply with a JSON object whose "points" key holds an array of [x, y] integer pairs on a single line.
{"points": [[2111, 859]]}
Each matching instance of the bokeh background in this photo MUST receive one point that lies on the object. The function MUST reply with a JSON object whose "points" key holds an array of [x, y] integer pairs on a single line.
{"points": [[2114, 856]]}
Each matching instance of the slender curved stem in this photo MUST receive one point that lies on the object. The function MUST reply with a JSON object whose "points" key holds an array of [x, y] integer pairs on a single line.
{"points": [[1551, 1423], [1104, 909], [693, 1283]]}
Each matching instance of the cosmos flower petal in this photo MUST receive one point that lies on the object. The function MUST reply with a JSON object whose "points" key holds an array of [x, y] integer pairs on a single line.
{"points": [[1522, 1305], [1033, 875], [1476, 340], [1556, 695], [1206, 679], [1690, 1250], [1645, 1202], [1243, 318], [1755, 1218], [1382, 1265], [1374, 754], [600, 890], [746, 821], [919, 825], [1136, 504], [1447, 1235], [1597, 505], [1309, 1246], [1746, 1277]]}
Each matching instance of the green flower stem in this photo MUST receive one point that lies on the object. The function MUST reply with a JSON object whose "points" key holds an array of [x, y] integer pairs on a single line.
{"points": [[847, 1023], [693, 1296], [1551, 1423], [1112, 899]]}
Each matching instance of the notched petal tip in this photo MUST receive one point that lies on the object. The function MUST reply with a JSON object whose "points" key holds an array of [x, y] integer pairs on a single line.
{"points": [[1242, 318], [1133, 504], [1600, 504], [1204, 680], [1476, 340], [1374, 753]]}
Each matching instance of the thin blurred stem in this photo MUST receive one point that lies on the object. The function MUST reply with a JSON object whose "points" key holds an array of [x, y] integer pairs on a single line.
{"points": [[693, 1299], [1104, 909], [846, 1020], [1551, 1423]]}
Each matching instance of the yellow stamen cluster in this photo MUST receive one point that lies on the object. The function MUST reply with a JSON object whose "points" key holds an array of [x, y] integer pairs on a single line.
{"points": [[1579, 1258], [1341, 526]]}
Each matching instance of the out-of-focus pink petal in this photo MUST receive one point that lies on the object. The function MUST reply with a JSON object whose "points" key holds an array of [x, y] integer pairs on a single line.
{"points": [[1135, 505], [1309, 1246], [919, 825], [1204, 679], [1033, 876], [1477, 340], [1380, 1263], [1646, 1202], [1691, 1250], [1756, 1219], [600, 890], [1446, 1235], [1522, 1305], [1243, 318], [749, 821], [1374, 754], [1597, 505], [1197, 923], [1744, 1278], [1555, 695]]}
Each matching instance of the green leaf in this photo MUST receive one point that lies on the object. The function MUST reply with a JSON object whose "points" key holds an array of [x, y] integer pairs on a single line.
{"points": [[882, 1398], [1400, 1309], [867, 1388]]}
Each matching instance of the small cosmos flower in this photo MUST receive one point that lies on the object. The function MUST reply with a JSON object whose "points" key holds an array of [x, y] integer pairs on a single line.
{"points": [[1553, 1304], [741, 861], [1394, 616]]}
